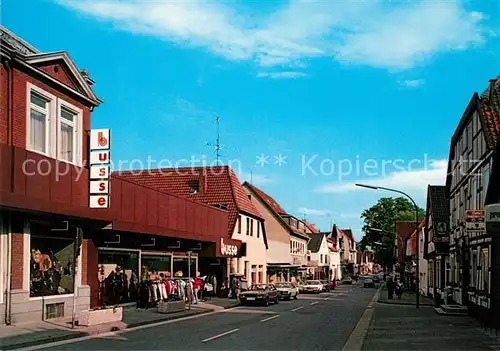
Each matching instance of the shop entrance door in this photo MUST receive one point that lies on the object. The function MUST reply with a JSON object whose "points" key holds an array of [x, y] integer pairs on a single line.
{"points": [[118, 276]]}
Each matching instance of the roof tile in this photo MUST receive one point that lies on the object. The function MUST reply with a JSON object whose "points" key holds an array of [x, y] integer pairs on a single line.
{"points": [[218, 186]]}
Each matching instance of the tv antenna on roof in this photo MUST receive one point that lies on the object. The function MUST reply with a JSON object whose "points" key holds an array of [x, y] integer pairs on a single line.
{"points": [[217, 145]]}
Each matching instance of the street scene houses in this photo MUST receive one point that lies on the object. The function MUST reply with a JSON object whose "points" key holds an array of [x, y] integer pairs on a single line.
{"points": [[287, 238], [459, 245]]}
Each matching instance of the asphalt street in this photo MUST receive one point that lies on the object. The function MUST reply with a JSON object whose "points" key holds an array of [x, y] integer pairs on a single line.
{"points": [[312, 322]]}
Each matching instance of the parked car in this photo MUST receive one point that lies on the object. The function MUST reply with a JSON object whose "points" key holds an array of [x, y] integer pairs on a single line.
{"points": [[313, 286], [326, 285], [260, 294], [347, 280], [368, 283], [287, 291]]}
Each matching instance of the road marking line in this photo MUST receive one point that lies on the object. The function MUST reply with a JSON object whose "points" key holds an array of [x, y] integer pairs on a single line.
{"points": [[268, 319], [113, 333], [298, 308], [313, 303], [327, 299], [220, 335]]}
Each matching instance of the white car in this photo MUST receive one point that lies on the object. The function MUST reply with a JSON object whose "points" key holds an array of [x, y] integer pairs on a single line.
{"points": [[287, 291], [313, 286]]}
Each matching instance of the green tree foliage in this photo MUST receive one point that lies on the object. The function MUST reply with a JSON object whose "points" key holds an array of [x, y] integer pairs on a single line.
{"points": [[384, 215]]}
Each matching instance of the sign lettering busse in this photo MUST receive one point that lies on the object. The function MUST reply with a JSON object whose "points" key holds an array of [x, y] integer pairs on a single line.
{"points": [[100, 142], [228, 250]]}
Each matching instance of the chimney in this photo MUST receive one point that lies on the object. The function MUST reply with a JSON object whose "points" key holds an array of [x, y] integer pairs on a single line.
{"points": [[203, 181]]}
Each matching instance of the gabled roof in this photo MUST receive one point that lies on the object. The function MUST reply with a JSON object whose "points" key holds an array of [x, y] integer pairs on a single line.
{"points": [[266, 198], [488, 106], [315, 243], [311, 227], [220, 186], [275, 209], [63, 57], [348, 234]]}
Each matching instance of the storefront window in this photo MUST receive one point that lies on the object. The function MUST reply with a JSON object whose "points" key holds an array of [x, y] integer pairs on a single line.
{"points": [[156, 263], [52, 265], [180, 266], [118, 276]]}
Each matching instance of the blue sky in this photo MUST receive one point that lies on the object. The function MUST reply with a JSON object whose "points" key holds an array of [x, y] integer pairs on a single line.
{"points": [[321, 83]]}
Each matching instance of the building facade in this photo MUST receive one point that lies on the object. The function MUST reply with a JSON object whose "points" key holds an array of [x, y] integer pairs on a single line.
{"points": [[470, 162], [286, 235], [218, 187], [56, 251], [437, 242], [318, 257]]}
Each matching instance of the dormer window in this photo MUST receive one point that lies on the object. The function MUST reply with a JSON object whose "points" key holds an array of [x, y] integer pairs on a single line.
{"points": [[194, 187]]}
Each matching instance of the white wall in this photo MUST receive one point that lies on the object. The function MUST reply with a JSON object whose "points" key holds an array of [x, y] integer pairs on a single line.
{"points": [[278, 252], [256, 254], [335, 265], [323, 250]]}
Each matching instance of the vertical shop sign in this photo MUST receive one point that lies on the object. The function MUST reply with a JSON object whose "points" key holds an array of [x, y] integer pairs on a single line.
{"points": [[100, 143]]}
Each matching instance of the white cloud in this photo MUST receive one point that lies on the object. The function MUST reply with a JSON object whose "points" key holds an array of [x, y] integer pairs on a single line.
{"points": [[403, 180], [414, 83], [281, 75], [376, 33], [312, 211]]}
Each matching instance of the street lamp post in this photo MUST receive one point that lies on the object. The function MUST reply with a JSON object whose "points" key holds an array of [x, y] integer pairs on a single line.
{"points": [[372, 187]]}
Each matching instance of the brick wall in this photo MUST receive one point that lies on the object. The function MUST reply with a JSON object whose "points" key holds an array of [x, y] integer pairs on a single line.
{"points": [[58, 72], [17, 261], [20, 108]]}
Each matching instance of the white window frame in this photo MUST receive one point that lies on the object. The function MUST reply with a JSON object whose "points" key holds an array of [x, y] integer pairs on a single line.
{"points": [[53, 125], [50, 117], [77, 131]]}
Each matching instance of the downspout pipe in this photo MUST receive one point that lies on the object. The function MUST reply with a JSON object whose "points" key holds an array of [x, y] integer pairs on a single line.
{"points": [[10, 95]]}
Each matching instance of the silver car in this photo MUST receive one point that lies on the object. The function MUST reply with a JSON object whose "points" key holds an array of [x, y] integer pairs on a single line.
{"points": [[287, 291]]}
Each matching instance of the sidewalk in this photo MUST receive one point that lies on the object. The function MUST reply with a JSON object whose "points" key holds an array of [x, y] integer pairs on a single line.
{"points": [[406, 328], [30, 334], [220, 303], [407, 299]]}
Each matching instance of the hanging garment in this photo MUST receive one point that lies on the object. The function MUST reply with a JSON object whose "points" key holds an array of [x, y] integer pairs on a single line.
{"points": [[168, 286], [163, 290], [153, 295], [182, 289]]}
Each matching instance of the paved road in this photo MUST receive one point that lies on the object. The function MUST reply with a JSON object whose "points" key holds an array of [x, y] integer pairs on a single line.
{"points": [[313, 322]]}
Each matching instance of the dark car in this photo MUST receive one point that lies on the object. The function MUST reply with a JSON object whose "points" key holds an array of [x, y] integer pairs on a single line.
{"points": [[368, 283], [326, 285], [260, 294], [376, 279]]}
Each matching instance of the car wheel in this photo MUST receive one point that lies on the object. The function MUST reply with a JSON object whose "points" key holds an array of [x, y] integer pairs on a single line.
{"points": [[296, 295], [277, 300]]}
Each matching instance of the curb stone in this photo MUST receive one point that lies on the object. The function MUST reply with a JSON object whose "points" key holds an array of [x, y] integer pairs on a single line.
{"points": [[80, 334]]}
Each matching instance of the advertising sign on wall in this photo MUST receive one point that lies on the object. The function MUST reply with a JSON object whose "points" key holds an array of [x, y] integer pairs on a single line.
{"points": [[475, 221], [100, 143]]}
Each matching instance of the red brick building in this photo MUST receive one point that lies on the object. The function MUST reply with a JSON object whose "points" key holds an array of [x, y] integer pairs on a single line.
{"points": [[45, 118]]}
